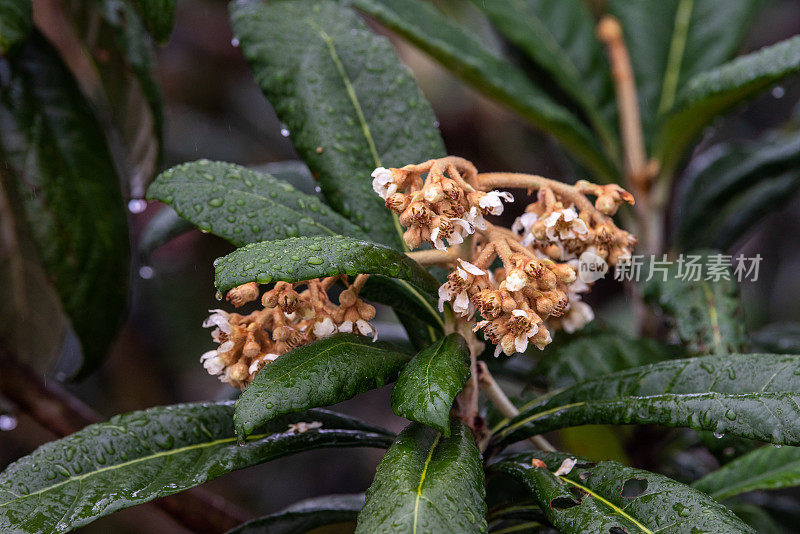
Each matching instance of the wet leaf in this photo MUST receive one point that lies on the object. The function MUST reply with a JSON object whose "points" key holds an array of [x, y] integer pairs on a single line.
{"points": [[430, 382], [427, 483], [711, 93], [318, 374], [304, 258], [719, 202], [671, 42], [559, 37], [706, 307], [306, 515], [447, 42], [764, 468], [610, 497], [245, 206], [70, 193], [749, 395], [16, 21], [593, 356], [321, 69], [137, 457]]}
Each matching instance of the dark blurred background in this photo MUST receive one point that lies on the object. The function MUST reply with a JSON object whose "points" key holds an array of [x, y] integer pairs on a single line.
{"points": [[215, 110]]}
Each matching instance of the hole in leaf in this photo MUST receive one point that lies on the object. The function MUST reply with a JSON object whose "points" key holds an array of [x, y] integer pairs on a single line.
{"points": [[633, 487], [562, 503], [617, 530]]}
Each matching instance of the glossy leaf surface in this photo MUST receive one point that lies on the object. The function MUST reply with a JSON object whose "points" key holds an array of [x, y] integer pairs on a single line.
{"points": [[426, 388], [318, 374], [70, 192], [610, 497], [427, 483], [764, 468], [702, 294], [306, 515], [245, 206], [137, 457], [447, 42], [749, 395], [321, 69]]}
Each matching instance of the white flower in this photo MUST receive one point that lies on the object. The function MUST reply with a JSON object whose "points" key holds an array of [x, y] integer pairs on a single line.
{"points": [[475, 218], [565, 467], [219, 319], [458, 293], [258, 363], [460, 229], [523, 225], [383, 182], [566, 222], [521, 339], [346, 326], [302, 426], [367, 329], [492, 202], [578, 314], [515, 280], [212, 362], [324, 328]]}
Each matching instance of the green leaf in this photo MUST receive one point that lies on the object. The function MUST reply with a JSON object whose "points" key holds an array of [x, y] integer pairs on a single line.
{"points": [[672, 41], [137, 457], [707, 311], [306, 515], [158, 16], [348, 102], [749, 395], [16, 22], [610, 497], [125, 91], [318, 374], [295, 173], [430, 382], [709, 94], [427, 483], [737, 185], [593, 356], [245, 206], [32, 320], [559, 37], [761, 469], [781, 338], [304, 258], [70, 193], [427, 28]]}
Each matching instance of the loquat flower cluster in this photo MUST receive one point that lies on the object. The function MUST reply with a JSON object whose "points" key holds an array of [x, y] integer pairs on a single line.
{"points": [[535, 289], [290, 317]]}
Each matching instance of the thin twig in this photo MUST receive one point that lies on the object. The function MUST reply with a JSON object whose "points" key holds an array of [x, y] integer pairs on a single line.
{"points": [[434, 256], [497, 397], [57, 410]]}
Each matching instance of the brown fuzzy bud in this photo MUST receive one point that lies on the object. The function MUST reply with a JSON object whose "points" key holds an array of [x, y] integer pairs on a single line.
{"points": [[606, 204], [565, 273], [281, 333], [545, 305], [397, 202], [412, 237], [238, 372], [553, 251], [347, 298], [433, 193], [241, 295], [366, 311], [251, 348], [542, 337], [534, 268], [547, 281]]}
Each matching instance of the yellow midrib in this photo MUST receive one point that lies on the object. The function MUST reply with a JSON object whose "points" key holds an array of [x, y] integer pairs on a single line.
{"points": [[608, 503], [422, 480]]}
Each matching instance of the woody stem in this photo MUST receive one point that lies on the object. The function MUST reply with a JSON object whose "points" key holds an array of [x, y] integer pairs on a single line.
{"points": [[497, 396], [434, 257], [494, 180]]}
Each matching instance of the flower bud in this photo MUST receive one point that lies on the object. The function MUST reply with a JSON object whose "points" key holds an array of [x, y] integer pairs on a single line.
{"points": [[238, 372], [606, 204], [241, 295], [397, 202], [347, 298]]}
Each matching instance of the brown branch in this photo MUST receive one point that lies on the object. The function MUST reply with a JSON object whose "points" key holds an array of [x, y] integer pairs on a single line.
{"points": [[498, 397], [57, 410]]}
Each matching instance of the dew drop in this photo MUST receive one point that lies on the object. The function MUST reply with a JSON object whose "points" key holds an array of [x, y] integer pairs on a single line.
{"points": [[778, 92], [137, 205], [315, 260], [7, 422], [777, 446], [718, 435], [285, 132], [235, 42], [215, 202], [146, 272]]}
